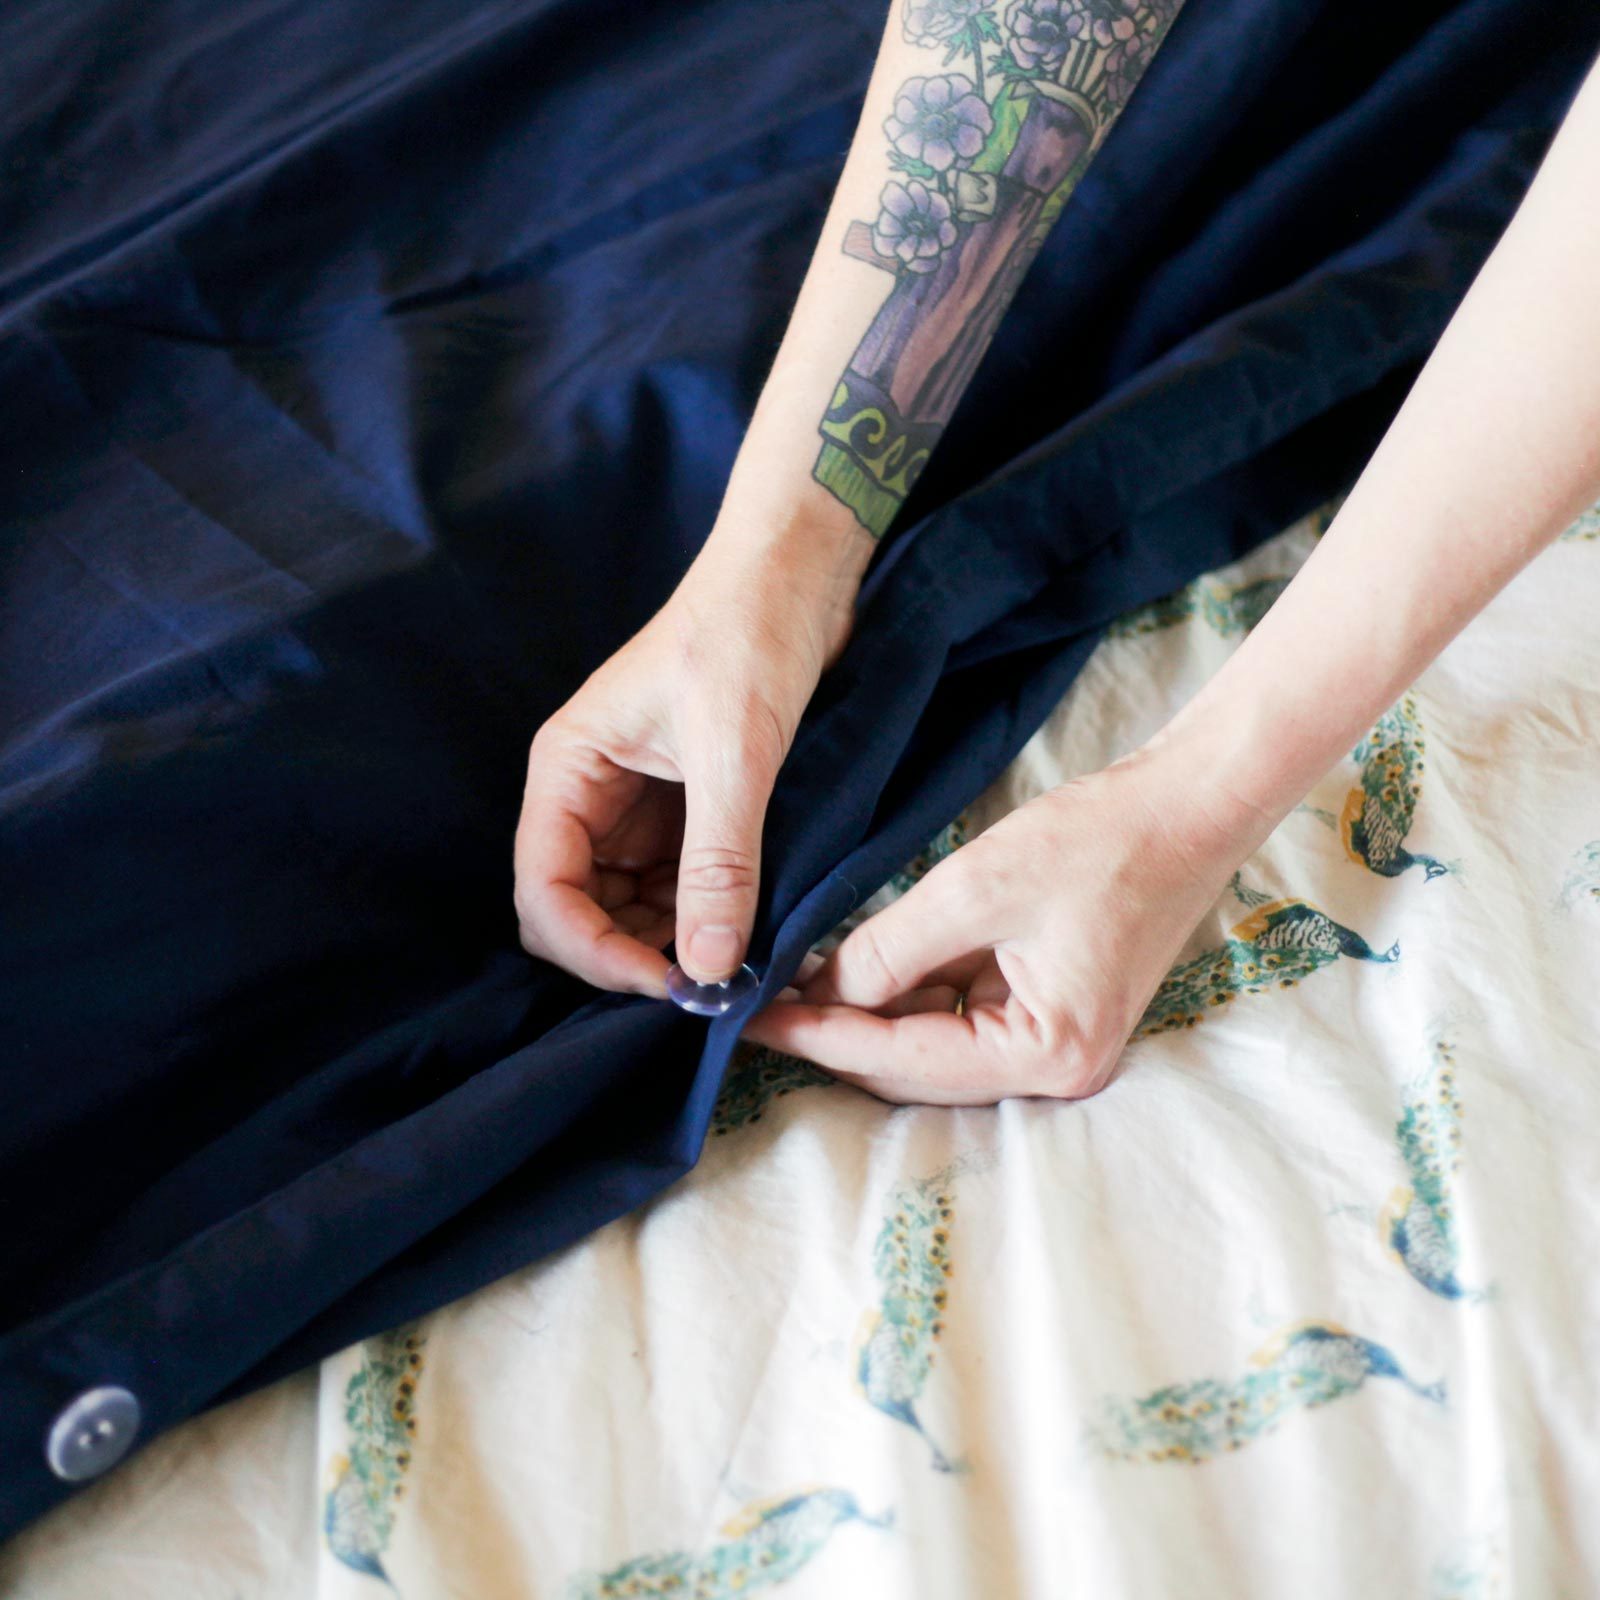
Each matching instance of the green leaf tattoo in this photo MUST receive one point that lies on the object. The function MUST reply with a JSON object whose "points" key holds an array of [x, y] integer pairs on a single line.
{"points": [[987, 155]]}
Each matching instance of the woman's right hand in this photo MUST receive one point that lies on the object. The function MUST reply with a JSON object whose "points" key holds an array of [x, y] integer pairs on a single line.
{"points": [[1058, 923], [646, 792]]}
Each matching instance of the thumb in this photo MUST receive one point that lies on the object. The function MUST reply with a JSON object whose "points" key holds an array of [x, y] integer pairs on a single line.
{"points": [[937, 927], [726, 789]]}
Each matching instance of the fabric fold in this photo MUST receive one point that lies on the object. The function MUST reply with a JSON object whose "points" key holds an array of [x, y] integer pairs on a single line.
{"points": [[276, 1074]]}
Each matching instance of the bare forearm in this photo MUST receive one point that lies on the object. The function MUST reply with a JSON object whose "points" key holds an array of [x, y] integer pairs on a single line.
{"points": [[980, 118], [1495, 451]]}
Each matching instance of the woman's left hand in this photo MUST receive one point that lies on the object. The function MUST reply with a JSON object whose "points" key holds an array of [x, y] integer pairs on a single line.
{"points": [[1058, 923]]}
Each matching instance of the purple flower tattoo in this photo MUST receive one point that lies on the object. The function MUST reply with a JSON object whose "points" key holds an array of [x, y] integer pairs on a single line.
{"points": [[1124, 67], [914, 225], [1041, 30], [980, 149], [1113, 21], [940, 121], [938, 21]]}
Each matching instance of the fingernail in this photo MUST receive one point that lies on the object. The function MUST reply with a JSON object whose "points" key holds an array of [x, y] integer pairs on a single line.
{"points": [[715, 950], [791, 993]]}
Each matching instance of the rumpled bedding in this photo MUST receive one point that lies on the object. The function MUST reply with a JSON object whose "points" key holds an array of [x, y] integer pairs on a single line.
{"points": [[1302, 1304], [368, 374]]}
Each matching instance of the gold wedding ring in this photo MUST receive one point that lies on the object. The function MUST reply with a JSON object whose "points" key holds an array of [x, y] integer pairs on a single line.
{"points": [[961, 1004]]}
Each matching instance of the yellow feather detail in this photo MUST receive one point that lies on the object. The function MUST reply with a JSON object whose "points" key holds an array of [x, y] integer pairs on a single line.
{"points": [[1255, 924], [748, 1518], [1394, 1208], [338, 1465], [865, 1328], [1354, 804], [1279, 1342]]}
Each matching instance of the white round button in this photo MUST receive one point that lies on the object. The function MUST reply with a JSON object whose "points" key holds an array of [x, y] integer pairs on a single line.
{"points": [[93, 1433], [708, 999]]}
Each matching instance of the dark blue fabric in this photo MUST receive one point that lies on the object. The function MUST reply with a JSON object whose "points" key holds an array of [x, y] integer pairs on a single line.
{"points": [[370, 373]]}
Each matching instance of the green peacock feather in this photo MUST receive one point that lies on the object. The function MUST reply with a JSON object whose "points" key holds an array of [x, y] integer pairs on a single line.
{"points": [[1306, 1365], [1276, 946], [1417, 1224], [1581, 885], [912, 1262], [766, 1544], [1231, 610], [368, 1481], [757, 1076], [1378, 813]]}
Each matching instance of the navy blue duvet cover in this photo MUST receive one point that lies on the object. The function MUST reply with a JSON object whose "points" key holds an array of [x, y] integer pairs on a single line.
{"points": [[368, 373]]}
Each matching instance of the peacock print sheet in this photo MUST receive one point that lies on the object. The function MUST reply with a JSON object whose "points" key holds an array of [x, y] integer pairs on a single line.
{"points": [[1304, 1304]]}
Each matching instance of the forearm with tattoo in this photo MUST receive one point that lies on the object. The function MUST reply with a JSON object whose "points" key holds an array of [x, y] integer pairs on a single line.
{"points": [[983, 151]]}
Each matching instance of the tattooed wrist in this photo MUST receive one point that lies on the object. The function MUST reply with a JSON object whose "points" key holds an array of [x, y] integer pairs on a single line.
{"points": [[984, 150]]}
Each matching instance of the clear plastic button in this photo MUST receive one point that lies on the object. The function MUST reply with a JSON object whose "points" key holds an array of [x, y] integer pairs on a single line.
{"points": [[708, 999], [93, 1433]]}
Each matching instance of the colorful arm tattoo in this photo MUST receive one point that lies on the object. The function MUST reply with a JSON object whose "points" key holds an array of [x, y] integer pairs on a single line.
{"points": [[984, 159]]}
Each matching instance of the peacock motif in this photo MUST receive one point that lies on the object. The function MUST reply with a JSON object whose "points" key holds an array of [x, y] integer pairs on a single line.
{"points": [[368, 1480], [1586, 527], [1230, 610], [1378, 812], [1580, 888], [1417, 1224], [897, 1340], [1322, 518], [757, 1076], [766, 1544], [1278, 944], [1307, 1364]]}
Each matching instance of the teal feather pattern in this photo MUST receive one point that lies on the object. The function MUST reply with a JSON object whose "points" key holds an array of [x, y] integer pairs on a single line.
{"points": [[1230, 610], [1306, 1365], [1418, 1225], [766, 1544], [756, 1077], [897, 1341], [1580, 888], [1276, 946], [368, 1480], [1586, 527], [1379, 811], [1245, 895]]}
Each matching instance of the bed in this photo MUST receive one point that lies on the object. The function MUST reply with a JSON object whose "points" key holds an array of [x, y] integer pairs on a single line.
{"points": [[1300, 1304]]}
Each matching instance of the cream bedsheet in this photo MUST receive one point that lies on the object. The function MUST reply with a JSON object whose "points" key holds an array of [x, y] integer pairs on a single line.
{"points": [[1304, 1304]]}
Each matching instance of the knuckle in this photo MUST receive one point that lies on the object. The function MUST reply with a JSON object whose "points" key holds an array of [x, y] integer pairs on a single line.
{"points": [[762, 737], [743, 742], [1070, 1063], [528, 937], [982, 879], [717, 873], [524, 903], [872, 967], [547, 734]]}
